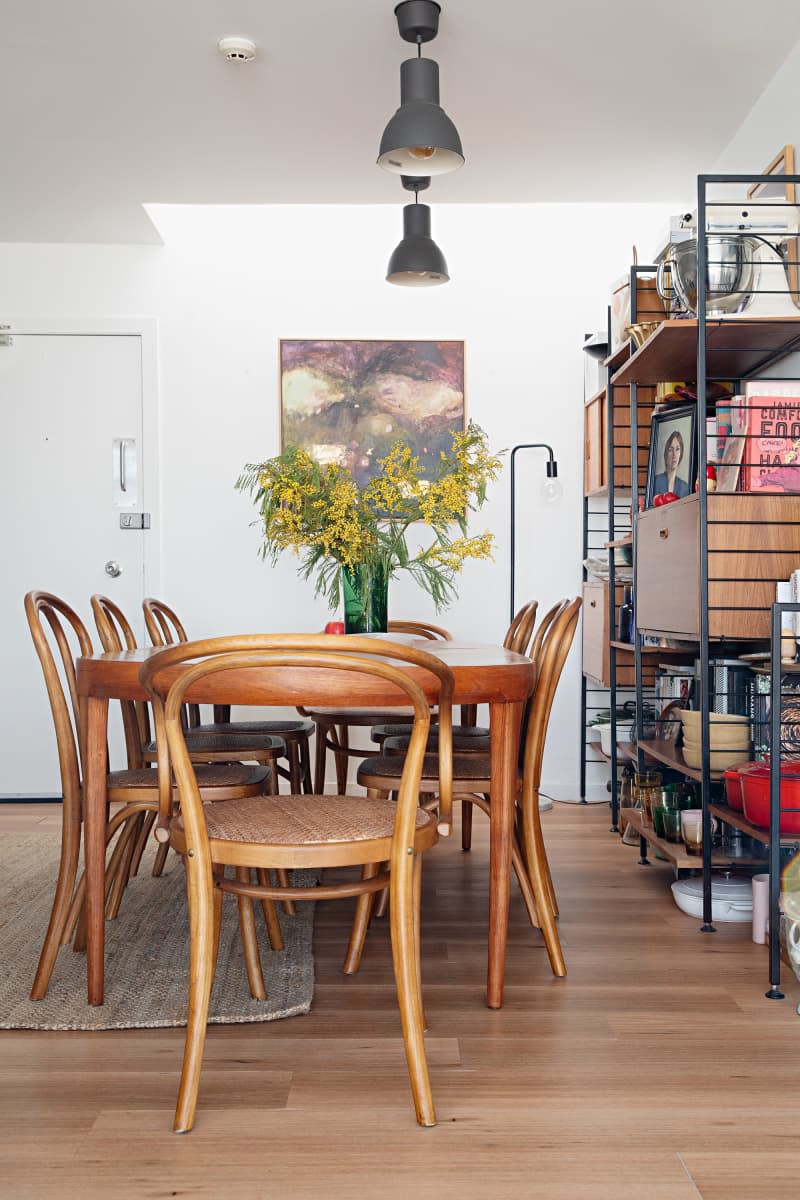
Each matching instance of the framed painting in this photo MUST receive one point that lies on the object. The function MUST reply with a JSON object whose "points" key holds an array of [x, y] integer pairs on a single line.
{"points": [[671, 464], [781, 165], [349, 401]]}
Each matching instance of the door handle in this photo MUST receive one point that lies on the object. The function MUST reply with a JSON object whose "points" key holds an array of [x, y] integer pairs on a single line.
{"points": [[123, 487], [113, 568]]}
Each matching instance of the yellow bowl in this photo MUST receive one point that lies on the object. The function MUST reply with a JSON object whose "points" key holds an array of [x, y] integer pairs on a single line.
{"points": [[720, 759]]}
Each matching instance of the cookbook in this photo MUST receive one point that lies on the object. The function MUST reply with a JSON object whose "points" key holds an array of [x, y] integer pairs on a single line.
{"points": [[767, 419]]}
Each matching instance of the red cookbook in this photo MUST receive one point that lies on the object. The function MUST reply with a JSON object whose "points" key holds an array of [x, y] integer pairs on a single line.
{"points": [[770, 418]]}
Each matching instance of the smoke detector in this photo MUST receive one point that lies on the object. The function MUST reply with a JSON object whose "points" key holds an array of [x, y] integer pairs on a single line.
{"points": [[237, 49]]}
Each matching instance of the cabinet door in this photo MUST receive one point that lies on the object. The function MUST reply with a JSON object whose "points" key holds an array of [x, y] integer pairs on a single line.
{"points": [[667, 569], [595, 631], [594, 473]]}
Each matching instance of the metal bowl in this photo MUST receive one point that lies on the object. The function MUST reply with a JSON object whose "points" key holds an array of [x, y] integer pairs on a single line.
{"points": [[641, 331], [731, 273]]}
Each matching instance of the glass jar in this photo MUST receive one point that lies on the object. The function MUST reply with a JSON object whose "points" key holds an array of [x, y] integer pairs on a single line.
{"points": [[647, 792]]}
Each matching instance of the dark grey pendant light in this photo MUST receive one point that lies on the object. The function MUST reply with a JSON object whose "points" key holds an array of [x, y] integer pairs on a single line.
{"points": [[420, 135], [417, 261]]}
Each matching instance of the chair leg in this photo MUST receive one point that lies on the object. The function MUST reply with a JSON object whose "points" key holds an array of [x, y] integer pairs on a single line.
{"points": [[289, 906], [217, 873], [201, 974], [160, 859], [144, 834], [466, 825], [536, 856], [341, 758], [417, 900], [270, 912], [358, 932], [406, 967], [320, 758], [294, 767], [65, 884], [381, 905], [305, 766], [521, 872], [247, 925], [120, 874]]}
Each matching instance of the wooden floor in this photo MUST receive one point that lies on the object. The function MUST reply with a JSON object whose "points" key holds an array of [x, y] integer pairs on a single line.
{"points": [[655, 1071]]}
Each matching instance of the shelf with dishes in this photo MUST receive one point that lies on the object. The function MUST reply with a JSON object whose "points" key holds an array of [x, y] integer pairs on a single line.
{"points": [[676, 852], [733, 817], [736, 347]]}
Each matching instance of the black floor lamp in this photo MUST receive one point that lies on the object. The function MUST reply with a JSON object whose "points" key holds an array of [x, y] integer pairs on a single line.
{"points": [[551, 491]]}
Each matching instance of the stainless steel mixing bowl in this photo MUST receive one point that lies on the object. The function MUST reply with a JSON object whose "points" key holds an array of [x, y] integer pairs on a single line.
{"points": [[731, 273]]}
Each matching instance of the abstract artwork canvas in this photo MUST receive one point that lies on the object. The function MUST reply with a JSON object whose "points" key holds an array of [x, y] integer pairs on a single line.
{"points": [[349, 401]]}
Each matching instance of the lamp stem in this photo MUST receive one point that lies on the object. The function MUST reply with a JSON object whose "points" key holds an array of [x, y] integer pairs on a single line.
{"points": [[552, 473]]}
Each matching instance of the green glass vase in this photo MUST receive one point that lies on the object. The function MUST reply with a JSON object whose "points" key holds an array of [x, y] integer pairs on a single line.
{"points": [[366, 598]]}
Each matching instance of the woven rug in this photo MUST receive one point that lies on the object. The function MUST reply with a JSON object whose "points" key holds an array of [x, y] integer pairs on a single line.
{"points": [[146, 952]]}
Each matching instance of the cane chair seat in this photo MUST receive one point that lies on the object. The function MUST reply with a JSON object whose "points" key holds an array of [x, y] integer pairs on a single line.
{"points": [[224, 747], [296, 830], [318, 822], [211, 778], [469, 769], [467, 739]]}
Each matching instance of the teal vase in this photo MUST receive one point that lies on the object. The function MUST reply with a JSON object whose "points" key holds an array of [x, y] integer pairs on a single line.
{"points": [[366, 598]]}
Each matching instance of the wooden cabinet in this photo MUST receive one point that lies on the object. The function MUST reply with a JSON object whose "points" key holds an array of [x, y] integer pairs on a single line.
{"points": [[597, 412], [753, 541], [594, 441], [598, 633]]}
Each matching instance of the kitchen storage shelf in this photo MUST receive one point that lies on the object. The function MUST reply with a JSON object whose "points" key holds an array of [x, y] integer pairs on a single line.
{"points": [[740, 822], [675, 852], [736, 347]]}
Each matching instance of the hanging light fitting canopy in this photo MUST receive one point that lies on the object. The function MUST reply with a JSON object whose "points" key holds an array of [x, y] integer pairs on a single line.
{"points": [[420, 134], [417, 261]]}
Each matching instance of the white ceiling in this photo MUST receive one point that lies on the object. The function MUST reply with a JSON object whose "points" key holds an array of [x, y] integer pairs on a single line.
{"points": [[109, 105]]}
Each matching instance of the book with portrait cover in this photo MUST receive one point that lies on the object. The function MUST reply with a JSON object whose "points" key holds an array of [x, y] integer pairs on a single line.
{"points": [[769, 419]]}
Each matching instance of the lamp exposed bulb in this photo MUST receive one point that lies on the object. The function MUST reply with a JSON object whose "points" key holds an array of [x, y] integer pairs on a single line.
{"points": [[551, 490]]}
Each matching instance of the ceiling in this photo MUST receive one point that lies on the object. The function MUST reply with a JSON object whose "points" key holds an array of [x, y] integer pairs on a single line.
{"points": [[109, 105]]}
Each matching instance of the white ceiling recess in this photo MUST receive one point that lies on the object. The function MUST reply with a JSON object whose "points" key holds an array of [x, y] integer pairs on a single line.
{"points": [[109, 105]]}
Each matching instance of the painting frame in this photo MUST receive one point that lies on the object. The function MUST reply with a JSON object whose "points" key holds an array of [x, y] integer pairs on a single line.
{"points": [[680, 419], [349, 400], [783, 164]]}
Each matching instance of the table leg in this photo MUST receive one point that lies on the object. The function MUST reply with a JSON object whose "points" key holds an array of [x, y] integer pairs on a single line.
{"points": [[94, 843], [504, 723]]}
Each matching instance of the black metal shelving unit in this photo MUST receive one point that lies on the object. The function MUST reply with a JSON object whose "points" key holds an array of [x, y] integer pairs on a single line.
{"points": [[724, 355]]}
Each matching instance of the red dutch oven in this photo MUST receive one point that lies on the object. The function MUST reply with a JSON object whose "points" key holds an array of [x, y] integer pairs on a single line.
{"points": [[755, 793], [733, 788]]}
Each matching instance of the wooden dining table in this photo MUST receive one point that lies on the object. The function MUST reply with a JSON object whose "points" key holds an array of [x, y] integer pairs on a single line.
{"points": [[483, 675]]}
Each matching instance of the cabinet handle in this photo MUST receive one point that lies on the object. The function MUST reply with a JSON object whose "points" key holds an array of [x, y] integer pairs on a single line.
{"points": [[663, 533], [592, 604]]}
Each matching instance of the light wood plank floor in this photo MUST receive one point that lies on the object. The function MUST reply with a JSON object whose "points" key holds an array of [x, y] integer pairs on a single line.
{"points": [[655, 1071]]}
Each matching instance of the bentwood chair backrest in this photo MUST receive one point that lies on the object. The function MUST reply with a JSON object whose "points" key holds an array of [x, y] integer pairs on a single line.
{"points": [[556, 643], [116, 634], [164, 628], [535, 648], [292, 662], [519, 632], [67, 634], [423, 629]]}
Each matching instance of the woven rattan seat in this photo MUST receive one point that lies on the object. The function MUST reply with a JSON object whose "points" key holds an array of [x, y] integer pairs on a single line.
{"points": [[466, 738], [305, 820], [227, 743], [466, 767], [208, 776], [285, 729]]}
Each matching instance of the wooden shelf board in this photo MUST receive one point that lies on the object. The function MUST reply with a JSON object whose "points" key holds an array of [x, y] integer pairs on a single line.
{"points": [[618, 357], [670, 756], [738, 819], [659, 651], [676, 851], [736, 347], [597, 396], [619, 542]]}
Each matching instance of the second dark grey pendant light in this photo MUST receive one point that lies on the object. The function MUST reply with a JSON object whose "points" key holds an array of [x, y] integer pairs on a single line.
{"points": [[417, 261], [420, 136]]}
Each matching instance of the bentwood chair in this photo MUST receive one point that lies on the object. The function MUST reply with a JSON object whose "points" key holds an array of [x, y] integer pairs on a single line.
{"points": [[222, 736], [56, 627], [471, 779], [333, 725], [297, 830]]}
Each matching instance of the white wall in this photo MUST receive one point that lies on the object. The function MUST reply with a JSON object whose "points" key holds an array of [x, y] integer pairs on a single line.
{"points": [[527, 283], [772, 123]]}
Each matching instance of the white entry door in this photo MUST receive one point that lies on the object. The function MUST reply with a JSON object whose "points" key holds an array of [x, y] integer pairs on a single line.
{"points": [[71, 466]]}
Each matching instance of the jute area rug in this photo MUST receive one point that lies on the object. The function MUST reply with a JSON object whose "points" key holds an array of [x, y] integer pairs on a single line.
{"points": [[146, 952]]}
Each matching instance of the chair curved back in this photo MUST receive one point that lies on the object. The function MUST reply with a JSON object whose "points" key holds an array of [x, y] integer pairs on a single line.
{"points": [[535, 648], [518, 634], [43, 609], [116, 634], [163, 624], [165, 628], [556, 644], [284, 660], [423, 629]]}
